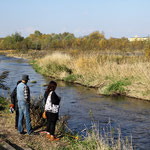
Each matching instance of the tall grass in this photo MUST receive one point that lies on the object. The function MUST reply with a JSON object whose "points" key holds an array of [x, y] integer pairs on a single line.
{"points": [[101, 71], [99, 140], [56, 64]]}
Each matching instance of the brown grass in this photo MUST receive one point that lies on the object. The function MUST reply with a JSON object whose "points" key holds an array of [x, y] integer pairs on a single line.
{"points": [[101, 70]]}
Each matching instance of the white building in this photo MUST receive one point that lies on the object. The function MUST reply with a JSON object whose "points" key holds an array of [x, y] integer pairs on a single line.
{"points": [[136, 38]]}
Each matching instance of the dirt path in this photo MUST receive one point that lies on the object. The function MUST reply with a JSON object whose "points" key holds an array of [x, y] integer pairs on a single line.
{"points": [[10, 135]]}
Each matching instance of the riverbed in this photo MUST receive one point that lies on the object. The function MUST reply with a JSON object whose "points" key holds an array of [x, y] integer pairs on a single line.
{"points": [[83, 105]]}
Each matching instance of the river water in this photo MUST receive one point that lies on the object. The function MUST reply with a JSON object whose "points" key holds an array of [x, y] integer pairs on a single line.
{"points": [[131, 116]]}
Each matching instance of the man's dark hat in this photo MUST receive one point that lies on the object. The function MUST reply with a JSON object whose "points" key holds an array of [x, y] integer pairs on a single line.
{"points": [[25, 77]]}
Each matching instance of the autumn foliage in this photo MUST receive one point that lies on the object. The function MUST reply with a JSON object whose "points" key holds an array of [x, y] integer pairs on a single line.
{"points": [[66, 40]]}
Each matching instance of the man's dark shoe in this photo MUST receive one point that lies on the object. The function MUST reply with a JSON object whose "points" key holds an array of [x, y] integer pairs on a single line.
{"points": [[22, 132]]}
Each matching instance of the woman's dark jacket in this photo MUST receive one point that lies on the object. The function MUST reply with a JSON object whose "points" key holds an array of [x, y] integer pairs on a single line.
{"points": [[55, 100]]}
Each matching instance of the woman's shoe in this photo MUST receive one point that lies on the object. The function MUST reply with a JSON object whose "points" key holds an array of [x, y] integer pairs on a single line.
{"points": [[52, 138], [48, 136]]}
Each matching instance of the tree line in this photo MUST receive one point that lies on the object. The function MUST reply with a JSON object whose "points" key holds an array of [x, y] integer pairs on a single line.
{"points": [[66, 40]]}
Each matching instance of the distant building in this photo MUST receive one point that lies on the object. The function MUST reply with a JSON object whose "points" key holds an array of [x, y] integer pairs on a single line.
{"points": [[136, 38]]}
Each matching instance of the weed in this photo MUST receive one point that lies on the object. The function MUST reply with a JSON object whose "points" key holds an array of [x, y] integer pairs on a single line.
{"points": [[118, 87], [3, 103]]}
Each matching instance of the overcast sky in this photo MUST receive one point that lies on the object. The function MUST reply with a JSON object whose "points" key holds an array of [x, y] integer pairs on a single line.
{"points": [[116, 18]]}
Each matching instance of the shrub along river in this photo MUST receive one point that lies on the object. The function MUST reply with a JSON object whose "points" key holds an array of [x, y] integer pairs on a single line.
{"points": [[131, 116]]}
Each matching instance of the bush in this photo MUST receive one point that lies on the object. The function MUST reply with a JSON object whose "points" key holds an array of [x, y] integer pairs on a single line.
{"points": [[36, 111]]}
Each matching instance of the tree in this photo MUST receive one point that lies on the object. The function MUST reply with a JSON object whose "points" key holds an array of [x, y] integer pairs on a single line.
{"points": [[96, 35], [37, 33], [36, 40], [17, 37]]}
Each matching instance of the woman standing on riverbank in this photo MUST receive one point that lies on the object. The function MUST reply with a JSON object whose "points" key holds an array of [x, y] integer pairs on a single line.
{"points": [[52, 109]]}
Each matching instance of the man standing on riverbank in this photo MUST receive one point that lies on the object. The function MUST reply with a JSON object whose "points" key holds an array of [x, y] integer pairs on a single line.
{"points": [[23, 96]]}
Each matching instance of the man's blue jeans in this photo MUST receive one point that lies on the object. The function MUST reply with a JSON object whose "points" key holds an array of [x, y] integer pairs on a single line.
{"points": [[24, 111]]}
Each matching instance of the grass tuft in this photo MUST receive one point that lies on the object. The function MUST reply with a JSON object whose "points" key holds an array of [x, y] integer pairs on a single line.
{"points": [[118, 87], [3, 103]]}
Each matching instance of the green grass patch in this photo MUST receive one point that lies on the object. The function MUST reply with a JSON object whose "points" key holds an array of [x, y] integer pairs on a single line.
{"points": [[3, 104], [72, 78], [35, 66], [146, 93], [118, 87], [56, 68]]}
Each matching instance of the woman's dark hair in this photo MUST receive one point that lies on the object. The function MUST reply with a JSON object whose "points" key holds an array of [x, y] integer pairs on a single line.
{"points": [[51, 86]]}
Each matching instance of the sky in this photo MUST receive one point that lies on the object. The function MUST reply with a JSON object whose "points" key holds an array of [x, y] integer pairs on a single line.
{"points": [[116, 18]]}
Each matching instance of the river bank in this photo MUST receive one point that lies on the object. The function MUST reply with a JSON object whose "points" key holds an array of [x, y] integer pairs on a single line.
{"points": [[110, 75], [93, 141]]}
